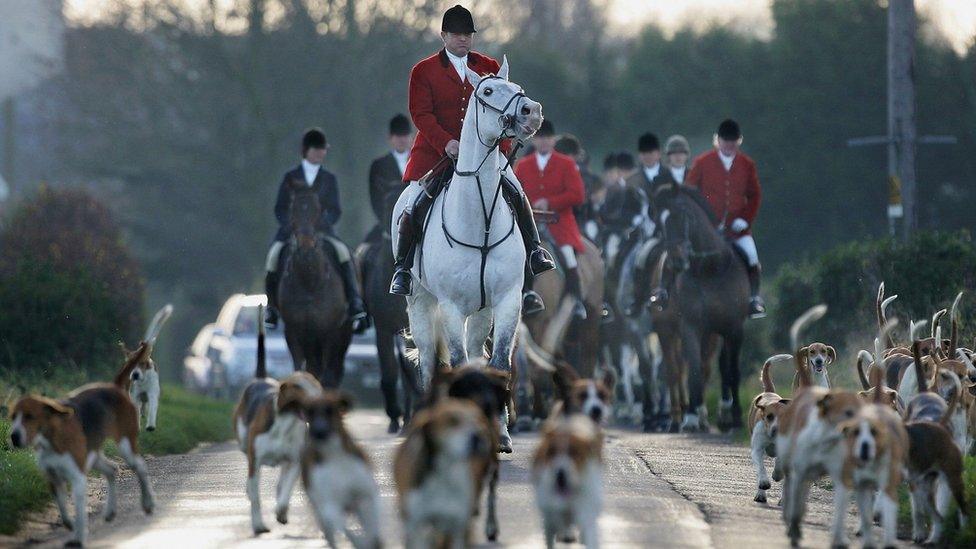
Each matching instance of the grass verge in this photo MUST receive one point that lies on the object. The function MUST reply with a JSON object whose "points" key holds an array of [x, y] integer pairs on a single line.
{"points": [[185, 420]]}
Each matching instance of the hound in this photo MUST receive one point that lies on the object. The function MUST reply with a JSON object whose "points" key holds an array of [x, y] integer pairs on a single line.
{"points": [[68, 435], [578, 395], [143, 382], [820, 355], [439, 471], [567, 474], [875, 454], [764, 420], [808, 445], [270, 431], [336, 473]]}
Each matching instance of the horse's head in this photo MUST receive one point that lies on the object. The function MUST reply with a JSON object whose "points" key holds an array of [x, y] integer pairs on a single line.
{"points": [[303, 213], [672, 216], [501, 108]]}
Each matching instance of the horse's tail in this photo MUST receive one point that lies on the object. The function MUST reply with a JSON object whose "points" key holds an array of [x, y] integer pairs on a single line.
{"points": [[261, 368], [408, 371], [810, 315]]}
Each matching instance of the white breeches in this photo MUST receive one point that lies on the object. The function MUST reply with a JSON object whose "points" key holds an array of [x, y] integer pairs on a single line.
{"points": [[748, 245], [569, 256], [271, 263]]}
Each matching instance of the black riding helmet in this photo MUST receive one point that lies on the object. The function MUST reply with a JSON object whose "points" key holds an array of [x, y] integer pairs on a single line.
{"points": [[458, 20]]}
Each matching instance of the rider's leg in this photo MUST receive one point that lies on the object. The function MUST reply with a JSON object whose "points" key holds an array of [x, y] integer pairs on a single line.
{"points": [[539, 259], [271, 283], [573, 284], [531, 300], [408, 227], [757, 308], [350, 284]]}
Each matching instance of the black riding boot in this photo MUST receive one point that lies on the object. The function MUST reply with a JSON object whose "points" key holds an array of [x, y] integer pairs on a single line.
{"points": [[531, 301], [357, 309], [757, 307], [403, 260], [271, 290], [575, 289], [539, 259], [407, 229]]}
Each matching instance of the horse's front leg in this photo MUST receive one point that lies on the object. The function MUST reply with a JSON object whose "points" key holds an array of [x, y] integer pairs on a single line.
{"points": [[454, 321], [478, 329], [506, 314]]}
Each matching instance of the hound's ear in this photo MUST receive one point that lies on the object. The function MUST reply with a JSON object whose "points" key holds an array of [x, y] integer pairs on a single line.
{"points": [[503, 71], [832, 353], [56, 407], [609, 378], [824, 401], [125, 350], [473, 77], [785, 400]]}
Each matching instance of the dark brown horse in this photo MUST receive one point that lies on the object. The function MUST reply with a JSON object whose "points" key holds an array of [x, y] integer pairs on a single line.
{"points": [[389, 314], [709, 298], [310, 296]]}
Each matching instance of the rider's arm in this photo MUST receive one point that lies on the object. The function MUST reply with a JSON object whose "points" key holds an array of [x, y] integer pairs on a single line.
{"points": [[421, 103], [753, 196], [377, 188], [330, 203], [572, 193], [281, 203]]}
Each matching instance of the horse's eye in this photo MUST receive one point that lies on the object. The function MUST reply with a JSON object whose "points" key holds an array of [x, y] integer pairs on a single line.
{"points": [[525, 111], [488, 92]]}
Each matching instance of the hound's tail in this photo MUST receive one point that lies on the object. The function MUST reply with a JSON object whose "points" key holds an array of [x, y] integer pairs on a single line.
{"points": [[157, 324], [810, 315], [261, 367], [140, 354], [767, 380], [923, 382], [954, 334], [935, 323], [863, 357]]}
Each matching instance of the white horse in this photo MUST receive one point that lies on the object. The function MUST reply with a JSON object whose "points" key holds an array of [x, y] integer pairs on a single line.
{"points": [[469, 268]]}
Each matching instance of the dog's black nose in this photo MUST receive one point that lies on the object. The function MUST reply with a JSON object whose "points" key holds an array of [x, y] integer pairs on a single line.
{"points": [[562, 480], [150, 428], [865, 452], [16, 439], [596, 414], [136, 375]]}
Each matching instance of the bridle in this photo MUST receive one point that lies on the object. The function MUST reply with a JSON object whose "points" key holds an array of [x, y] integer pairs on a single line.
{"points": [[508, 122]]}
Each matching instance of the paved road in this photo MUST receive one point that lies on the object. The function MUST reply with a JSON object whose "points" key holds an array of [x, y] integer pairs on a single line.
{"points": [[662, 491]]}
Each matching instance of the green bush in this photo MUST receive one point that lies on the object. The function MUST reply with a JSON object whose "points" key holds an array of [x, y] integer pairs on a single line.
{"points": [[926, 273], [69, 289]]}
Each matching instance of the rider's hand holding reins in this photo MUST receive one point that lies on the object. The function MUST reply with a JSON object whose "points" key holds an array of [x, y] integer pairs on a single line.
{"points": [[453, 147], [739, 225]]}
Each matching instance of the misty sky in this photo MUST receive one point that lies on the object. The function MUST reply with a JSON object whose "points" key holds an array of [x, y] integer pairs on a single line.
{"points": [[956, 19]]}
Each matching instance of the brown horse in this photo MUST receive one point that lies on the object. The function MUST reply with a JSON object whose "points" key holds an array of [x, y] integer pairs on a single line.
{"points": [[389, 314], [709, 298], [310, 296], [581, 345]]}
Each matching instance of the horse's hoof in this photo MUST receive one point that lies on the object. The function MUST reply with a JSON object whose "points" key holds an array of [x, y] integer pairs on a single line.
{"points": [[674, 427], [258, 530], [109, 517], [505, 445], [760, 498], [765, 485], [73, 543], [394, 427]]}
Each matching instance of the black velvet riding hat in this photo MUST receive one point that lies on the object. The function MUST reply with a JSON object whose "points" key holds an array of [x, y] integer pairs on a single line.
{"points": [[458, 20]]}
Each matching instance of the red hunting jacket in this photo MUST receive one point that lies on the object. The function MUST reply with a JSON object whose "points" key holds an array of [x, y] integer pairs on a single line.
{"points": [[560, 183], [734, 193], [438, 100]]}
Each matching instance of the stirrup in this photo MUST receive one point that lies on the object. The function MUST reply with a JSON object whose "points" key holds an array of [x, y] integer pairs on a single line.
{"points": [[540, 261], [579, 310], [532, 303], [757, 308]]}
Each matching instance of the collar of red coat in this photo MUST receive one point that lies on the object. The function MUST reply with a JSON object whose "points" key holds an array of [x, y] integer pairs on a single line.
{"points": [[474, 58]]}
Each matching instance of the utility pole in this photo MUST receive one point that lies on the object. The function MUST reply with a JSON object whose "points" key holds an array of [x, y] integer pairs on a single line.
{"points": [[901, 107], [902, 138]]}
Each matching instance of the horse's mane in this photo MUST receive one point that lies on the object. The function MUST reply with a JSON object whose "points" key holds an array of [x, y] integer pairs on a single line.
{"points": [[672, 191]]}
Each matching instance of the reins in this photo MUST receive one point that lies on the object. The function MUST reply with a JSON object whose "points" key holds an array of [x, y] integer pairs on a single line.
{"points": [[487, 213]]}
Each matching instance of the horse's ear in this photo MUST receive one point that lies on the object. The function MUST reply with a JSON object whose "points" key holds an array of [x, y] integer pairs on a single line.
{"points": [[503, 71], [473, 77]]}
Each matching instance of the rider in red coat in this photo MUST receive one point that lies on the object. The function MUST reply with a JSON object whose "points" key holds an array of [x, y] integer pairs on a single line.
{"points": [[728, 180], [552, 182], [438, 97]]}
